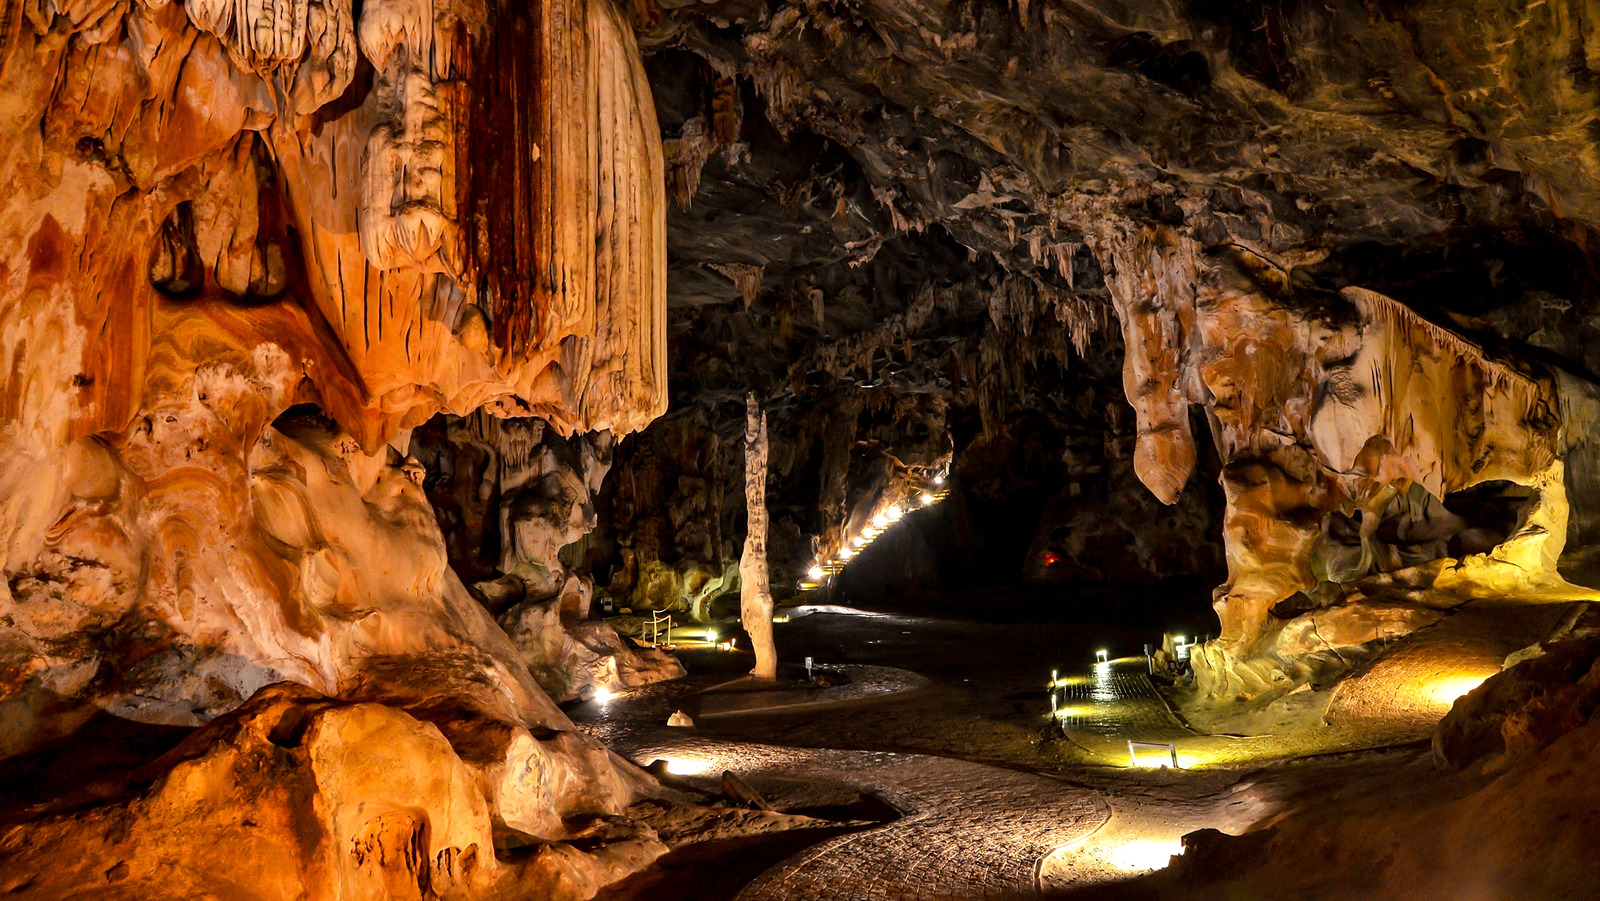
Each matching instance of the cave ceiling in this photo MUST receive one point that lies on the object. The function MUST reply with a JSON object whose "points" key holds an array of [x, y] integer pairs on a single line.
{"points": [[1441, 153]]}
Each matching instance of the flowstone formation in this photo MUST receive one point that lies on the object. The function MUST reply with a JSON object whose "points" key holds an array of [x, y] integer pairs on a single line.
{"points": [[246, 250], [1348, 426]]}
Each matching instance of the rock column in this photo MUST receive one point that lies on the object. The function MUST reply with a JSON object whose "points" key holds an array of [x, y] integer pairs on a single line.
{"points": [[755, 596]]}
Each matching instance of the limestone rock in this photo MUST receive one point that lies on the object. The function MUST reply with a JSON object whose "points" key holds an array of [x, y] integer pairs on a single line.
{"points": [[312, 797], [236, 276], [1521, 710]]}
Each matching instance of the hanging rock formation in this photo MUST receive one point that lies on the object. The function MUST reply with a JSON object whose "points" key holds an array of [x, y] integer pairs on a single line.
{"points": [[1335, 417], [248, 249]]}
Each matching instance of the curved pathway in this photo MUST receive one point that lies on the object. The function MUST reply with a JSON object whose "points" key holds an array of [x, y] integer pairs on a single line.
{"points": [[966, 830]]}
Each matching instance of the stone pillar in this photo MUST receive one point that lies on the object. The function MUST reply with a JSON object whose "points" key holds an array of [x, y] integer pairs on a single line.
{"points": [[755, 596]]}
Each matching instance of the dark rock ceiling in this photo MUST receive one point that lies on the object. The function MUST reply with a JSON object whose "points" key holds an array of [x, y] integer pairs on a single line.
{"points": [[1440, 151]]}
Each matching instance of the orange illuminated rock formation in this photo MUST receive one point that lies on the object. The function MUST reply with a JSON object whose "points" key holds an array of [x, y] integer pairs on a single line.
{"points": [[1341, 420], [247, 248]]}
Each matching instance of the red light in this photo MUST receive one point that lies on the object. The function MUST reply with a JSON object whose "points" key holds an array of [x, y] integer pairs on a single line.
{"points": [[1049, 558]]}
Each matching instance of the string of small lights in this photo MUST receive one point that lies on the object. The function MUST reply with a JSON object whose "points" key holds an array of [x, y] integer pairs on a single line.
{"points": [[891, 513]]}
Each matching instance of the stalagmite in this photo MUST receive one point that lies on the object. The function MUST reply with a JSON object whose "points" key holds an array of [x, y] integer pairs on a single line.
{"points": [[755, 597]]}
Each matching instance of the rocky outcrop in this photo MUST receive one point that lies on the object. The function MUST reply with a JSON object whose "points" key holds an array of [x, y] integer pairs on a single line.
{"points": [[1517, 713], [571, 657], [316, 797], [517, 500], [1343, 422]]}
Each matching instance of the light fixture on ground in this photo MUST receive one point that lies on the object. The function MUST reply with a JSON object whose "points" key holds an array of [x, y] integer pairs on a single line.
{"points": [[602, 694], [1101, 656], [815, 572], [680, 766], [1144, 855], [1444, 692]]}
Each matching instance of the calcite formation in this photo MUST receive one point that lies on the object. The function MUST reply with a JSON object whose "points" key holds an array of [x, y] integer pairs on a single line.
{"points": [[316, 797], [247, 249], [755, 595], [1341, 421]]}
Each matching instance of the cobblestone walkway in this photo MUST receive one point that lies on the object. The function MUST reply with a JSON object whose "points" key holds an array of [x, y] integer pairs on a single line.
{"points": [[966, 830], [1412, 686], [1117, 699]]}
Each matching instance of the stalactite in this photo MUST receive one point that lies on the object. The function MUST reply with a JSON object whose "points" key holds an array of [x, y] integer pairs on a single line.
{"points": [[745, 277], [686, 157]]}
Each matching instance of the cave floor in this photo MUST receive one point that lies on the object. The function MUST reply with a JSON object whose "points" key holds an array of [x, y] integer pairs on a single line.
{"points": [[992, 801]]}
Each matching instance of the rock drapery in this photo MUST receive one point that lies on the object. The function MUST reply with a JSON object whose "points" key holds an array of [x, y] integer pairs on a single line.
{"points": [[1350, 410], [249, 249]]}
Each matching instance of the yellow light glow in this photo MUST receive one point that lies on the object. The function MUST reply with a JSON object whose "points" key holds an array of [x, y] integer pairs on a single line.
{"points": [[1144, 855], [927, 499], [815, 572], [1444, 692], [938, 479], [858, 541], [894, 513], [711, 636], [602, 694], [847, 553], [679, 766], [1154, 758], [1101, 656]]}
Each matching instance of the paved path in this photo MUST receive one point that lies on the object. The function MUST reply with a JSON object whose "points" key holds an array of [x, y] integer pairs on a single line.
{"points": [[1412, 686], [966, 830], [867, 683]]}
